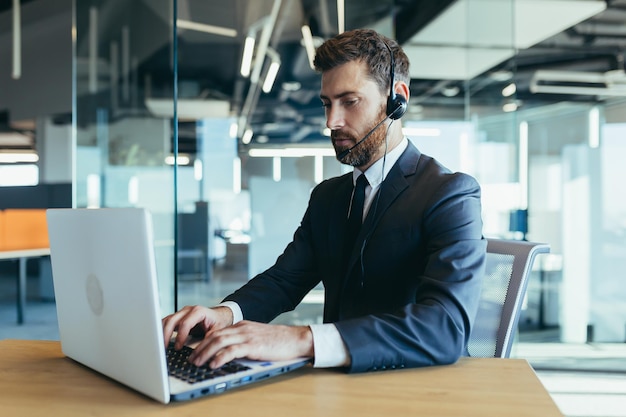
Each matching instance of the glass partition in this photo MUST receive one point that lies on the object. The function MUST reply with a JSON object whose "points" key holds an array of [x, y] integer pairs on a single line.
{"points": [[123, 59]]}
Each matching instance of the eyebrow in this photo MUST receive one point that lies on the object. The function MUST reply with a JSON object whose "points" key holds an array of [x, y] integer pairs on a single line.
{"points": [[340, 95]]}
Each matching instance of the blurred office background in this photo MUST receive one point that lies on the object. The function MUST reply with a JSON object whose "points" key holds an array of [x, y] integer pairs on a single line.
{"points": [[207, 113]]}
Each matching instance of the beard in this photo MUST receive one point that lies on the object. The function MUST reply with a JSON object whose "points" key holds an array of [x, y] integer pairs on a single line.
{"points": [[363, 153]]}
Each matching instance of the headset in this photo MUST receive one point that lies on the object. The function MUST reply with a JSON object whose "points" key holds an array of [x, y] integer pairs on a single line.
{"points": [[396, 103]]}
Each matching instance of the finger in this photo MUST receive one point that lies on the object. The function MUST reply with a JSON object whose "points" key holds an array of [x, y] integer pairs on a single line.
{"points": [[169, 326], [228, 354], [215, 342], [180, 322], [188, 319]]}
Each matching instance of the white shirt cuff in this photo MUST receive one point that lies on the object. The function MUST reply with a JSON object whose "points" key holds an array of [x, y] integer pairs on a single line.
{"points": [[234, 307], [330, 351]]}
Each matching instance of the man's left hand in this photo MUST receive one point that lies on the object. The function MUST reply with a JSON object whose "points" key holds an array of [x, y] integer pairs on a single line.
{"points": [[253, 340]]}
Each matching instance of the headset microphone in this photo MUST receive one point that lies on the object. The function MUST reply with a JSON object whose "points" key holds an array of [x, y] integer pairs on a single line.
{"points": [[345, 153]]}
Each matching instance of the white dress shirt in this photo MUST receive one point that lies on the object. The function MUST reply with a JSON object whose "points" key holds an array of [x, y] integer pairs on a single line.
{"points": [[330, 351]]}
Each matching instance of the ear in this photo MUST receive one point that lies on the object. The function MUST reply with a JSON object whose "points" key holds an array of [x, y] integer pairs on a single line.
{"points": [[397, 103], [401, 88]]}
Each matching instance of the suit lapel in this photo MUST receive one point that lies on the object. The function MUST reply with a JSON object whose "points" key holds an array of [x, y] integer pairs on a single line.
{"points": [[393, 185]]}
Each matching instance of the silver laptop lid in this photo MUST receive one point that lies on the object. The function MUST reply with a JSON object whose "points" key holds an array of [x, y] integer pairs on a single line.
{"points": [[106, 293]]}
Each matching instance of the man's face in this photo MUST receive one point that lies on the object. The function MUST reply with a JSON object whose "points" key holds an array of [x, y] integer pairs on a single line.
{"points": [[354, 105]]}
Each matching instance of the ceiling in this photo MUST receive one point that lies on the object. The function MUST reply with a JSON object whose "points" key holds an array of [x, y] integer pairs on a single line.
{"points": [[458, 49]]}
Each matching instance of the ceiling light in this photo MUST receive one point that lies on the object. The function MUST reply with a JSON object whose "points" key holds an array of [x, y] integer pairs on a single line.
{"points": [[18, 157], [509, 107], [201, 27], [276, 169], [270, 77], [188, 109], [93, 50], [291, 86], [232, 132], [246, 60], [180, 160], [17, 41], [594, 127], [523, 163], [133, 190], [318, 169], [509, 90], [198, 170], [236, 175], [450, 91], [341, 15], [247, 136], [501, 75], [307, 38]]}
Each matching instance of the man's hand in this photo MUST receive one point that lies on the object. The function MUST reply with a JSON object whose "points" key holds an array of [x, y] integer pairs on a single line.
{"points": [[253, 340], [195, 321]]}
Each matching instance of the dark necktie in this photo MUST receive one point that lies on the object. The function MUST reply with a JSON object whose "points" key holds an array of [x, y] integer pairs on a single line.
{"points": [[351, 301], [356, 213]]}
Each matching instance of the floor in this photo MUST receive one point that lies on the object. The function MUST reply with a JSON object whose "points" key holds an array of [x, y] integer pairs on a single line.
{"points": [[587, 380]]}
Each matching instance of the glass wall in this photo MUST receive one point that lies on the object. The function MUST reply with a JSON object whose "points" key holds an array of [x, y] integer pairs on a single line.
{"points": [[124, 142], [227, 190]]}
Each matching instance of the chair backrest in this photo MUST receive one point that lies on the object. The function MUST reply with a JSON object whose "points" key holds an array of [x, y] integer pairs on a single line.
{"points": [[508, 267]]}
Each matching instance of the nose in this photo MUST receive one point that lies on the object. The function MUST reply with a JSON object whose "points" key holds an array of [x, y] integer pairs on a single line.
{"points": [[334, 117]]}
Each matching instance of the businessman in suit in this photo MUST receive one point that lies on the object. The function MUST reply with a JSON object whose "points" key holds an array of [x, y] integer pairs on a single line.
{"points": [[402, 281]]}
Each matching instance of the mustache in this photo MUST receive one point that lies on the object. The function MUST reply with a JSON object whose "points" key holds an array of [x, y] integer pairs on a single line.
{"points": [[338, 135]]}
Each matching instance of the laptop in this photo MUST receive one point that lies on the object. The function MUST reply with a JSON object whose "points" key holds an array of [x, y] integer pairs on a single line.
{"points": [[107, 300]]}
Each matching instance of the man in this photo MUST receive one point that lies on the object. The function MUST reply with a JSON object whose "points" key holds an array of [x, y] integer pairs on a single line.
{"points": [[405, 293]]}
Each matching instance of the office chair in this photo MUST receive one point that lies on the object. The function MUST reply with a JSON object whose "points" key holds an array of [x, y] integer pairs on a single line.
{"points": [[508, 267]]}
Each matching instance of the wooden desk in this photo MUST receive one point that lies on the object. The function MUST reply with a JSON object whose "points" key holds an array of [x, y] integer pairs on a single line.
{"points": [[37, 380], [22, 256]]}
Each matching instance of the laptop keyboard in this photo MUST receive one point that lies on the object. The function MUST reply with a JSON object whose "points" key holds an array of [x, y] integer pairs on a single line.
{"points": [[178, 366]]}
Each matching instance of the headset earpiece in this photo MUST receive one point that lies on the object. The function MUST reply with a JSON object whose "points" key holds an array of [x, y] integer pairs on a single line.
{"points": [[396, 106], [396, 103]]}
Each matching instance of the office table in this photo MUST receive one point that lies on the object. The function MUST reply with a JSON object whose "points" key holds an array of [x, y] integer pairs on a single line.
{"points": [[22, 256], [37, 380]]}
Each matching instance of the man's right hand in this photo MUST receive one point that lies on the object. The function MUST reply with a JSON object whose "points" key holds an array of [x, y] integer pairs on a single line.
{"points": [[194, 321]]}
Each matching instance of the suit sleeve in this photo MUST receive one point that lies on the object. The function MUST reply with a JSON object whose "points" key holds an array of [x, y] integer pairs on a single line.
{"points": [[434, 328]]}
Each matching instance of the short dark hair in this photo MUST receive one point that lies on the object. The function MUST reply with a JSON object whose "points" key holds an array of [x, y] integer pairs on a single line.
{"points": [[368, 46]]}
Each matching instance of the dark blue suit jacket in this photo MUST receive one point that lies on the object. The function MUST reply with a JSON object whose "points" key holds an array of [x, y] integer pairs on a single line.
{"points": [[422, 262]]}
